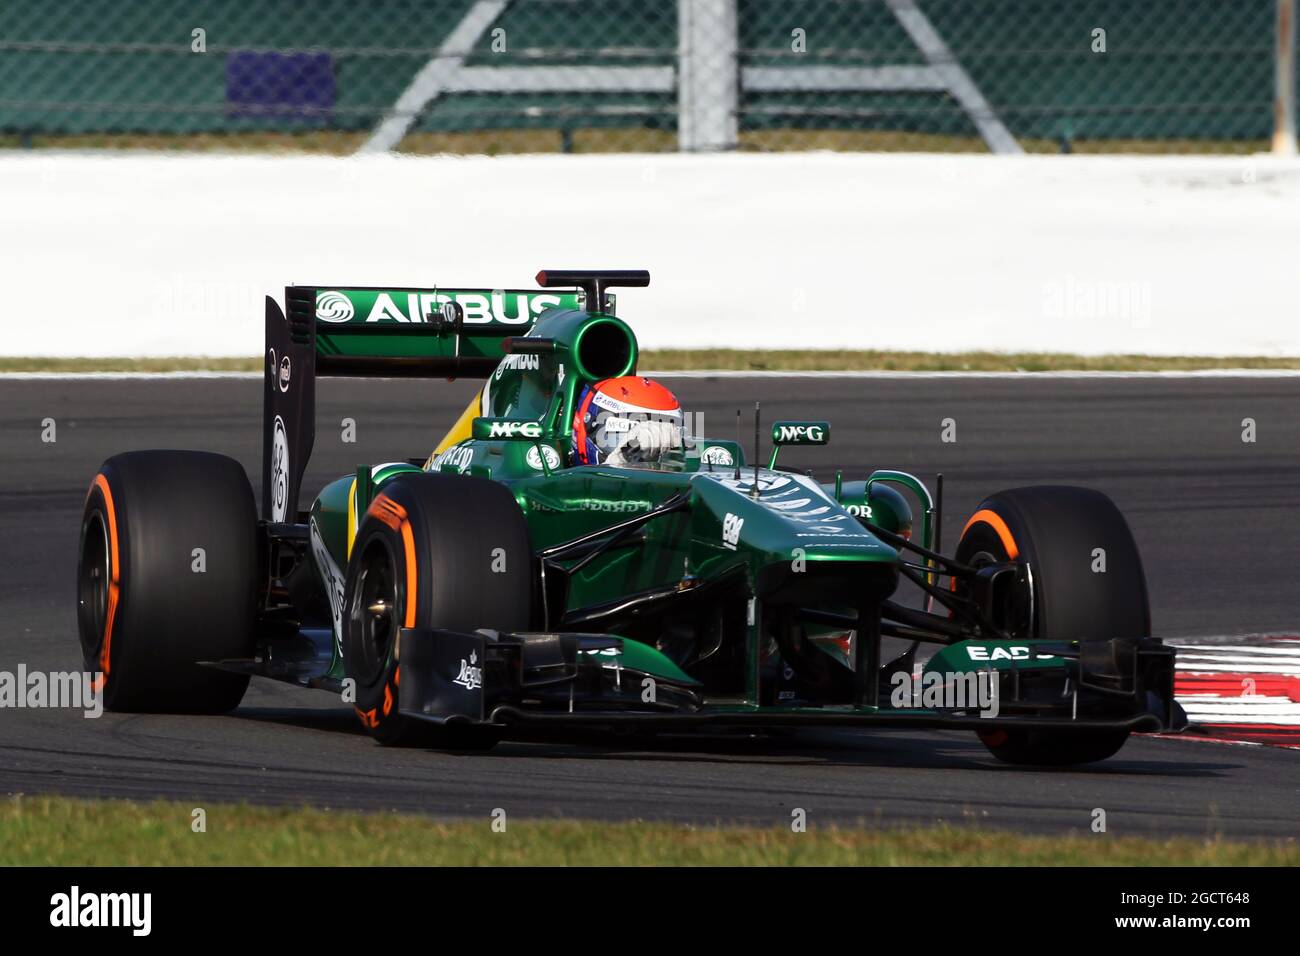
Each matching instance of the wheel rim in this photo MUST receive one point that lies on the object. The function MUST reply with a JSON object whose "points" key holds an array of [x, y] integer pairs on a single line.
{"points": [[979, 548], [93, 577], [373, 617]]}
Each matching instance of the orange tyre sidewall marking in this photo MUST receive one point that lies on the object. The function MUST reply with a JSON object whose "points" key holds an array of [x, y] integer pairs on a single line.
{"points": [[392, 514], [994, 521], [992, 738], [114, 587]]}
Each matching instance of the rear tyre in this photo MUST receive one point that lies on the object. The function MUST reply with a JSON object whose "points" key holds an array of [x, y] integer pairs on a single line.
{"points": [[433, 551], [167, 578], [1057, 530]]}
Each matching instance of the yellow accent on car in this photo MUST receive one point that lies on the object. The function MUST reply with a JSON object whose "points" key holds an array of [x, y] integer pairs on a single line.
{"points": [[352, 515], [461, 430]]}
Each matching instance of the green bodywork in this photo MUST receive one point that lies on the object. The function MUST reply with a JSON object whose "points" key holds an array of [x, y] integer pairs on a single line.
{"points": [[768, 531]]}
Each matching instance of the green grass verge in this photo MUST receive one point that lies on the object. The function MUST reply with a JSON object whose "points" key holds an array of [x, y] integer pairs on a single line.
{"points": [[777, 360], [66, 832]]}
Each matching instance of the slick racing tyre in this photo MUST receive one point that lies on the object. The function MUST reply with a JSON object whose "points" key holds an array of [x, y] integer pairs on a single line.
{"points": [[167, 578], [433, 551], [1056, 530]]}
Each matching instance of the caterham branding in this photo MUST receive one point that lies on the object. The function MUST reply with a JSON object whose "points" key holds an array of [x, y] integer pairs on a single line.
{"points": [[800, 506], [471, 675], [799, 499], [767, 482]]}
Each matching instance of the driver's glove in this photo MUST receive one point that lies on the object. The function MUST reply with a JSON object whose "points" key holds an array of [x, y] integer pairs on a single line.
{"points": [[646, 443]]}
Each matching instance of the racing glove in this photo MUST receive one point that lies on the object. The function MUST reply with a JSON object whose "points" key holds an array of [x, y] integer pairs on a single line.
{"points": [[645, 443]]}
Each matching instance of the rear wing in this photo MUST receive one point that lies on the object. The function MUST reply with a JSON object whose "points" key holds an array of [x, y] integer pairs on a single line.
{"points": [[410, 332], [390, 333], [385, 332]]}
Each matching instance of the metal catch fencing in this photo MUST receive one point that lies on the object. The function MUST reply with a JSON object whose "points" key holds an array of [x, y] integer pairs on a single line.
{"points": [[496, 76]]}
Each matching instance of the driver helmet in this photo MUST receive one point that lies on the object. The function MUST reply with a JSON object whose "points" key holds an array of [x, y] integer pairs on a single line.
{"points": [[627, 420]]}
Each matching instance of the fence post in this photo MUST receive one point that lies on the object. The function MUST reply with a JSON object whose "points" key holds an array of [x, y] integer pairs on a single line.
{"points": [[1284, 81], [708, 75]]}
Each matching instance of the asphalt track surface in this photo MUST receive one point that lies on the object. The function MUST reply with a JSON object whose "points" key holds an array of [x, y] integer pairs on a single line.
{"points": [[1217, 519]]}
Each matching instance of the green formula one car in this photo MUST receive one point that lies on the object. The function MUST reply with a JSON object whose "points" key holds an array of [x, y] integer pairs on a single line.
{"points": [[571, 555]]}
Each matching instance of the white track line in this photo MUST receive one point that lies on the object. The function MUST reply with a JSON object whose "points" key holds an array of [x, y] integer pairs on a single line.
{"points": [[1223, 652], [1287, 640], [1196, 667], [1225, 741]]}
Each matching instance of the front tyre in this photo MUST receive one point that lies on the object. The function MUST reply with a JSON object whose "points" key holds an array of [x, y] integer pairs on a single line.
{"points": [[433, 551], [166, 577], [1058, 531]]}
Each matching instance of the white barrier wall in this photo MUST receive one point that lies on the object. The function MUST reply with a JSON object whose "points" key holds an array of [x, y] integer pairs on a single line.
{"points": [[139, 254]]}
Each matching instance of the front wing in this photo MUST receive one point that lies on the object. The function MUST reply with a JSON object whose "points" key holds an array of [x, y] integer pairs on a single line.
{"points": [[578, 680]]}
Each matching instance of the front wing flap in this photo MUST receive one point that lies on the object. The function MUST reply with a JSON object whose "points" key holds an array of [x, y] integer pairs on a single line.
{"points": [[570, 679], [453, 676]]}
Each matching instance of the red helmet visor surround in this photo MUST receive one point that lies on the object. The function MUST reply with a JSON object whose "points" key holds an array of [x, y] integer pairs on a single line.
{"points": [[612, 407]]}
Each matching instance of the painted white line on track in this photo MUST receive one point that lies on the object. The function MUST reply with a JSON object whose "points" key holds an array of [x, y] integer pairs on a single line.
{"points": [[1281, 705], [1203, 739], [1277, 644], [1261, 720], [1225, 652], [1203, 667], [1288, 641]]}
